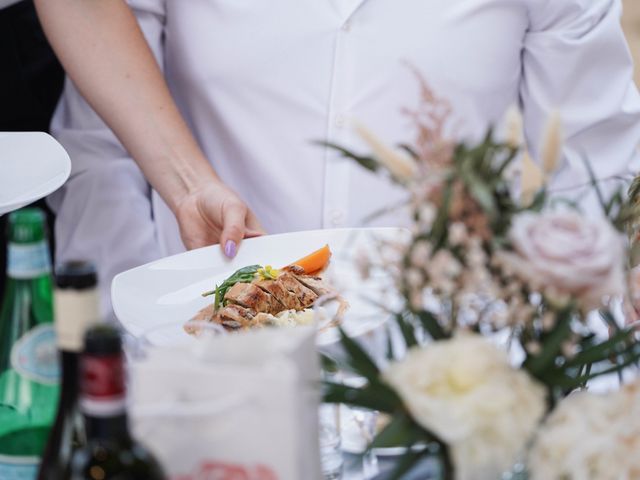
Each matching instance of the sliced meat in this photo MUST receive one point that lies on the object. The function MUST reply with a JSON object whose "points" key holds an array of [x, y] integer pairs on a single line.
{"points": [[315, 284], [251, 296], [278, 291], [305, 295], [234, 317]]}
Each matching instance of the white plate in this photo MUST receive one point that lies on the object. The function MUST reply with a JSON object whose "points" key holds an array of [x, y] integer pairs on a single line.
{"points": [[167, 293], [32, 165]]}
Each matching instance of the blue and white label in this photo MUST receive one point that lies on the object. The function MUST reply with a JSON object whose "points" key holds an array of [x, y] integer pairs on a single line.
{"points": [[28, 260], [18, 468], [35, 356]]}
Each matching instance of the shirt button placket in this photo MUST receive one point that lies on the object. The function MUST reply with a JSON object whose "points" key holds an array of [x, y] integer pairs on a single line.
{"points": [[336, 188]]}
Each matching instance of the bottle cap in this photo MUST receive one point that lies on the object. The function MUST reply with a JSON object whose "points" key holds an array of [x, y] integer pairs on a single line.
{"points": [[102, 340], [76, 275]]}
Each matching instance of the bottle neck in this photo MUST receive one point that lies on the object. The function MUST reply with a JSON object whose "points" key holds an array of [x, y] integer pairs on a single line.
{"points": [[69, 382], [113, 428], [102, 397]]}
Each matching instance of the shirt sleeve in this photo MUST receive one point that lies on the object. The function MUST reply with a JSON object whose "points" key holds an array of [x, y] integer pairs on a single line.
{"points": [[576, 62]]}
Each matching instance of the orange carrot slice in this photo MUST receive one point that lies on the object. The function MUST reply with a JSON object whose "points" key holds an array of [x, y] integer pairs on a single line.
{"points": [[314, 262]]}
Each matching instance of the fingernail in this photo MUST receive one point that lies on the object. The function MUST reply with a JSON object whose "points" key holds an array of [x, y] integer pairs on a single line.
{"points": [[230, 249]]}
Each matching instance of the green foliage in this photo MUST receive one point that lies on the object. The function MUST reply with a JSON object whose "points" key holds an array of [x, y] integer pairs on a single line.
{"points": [[244, 275]]}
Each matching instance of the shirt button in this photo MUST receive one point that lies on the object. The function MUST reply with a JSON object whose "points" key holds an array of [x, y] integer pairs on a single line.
{"points": [[339, 121], [336, 218], [346, 26]]}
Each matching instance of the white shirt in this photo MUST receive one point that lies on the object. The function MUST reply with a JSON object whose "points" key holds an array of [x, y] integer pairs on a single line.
{"points": [[259, 81]]}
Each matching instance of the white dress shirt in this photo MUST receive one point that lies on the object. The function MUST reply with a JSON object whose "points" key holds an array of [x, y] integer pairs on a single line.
{"points": [[258, 81]]}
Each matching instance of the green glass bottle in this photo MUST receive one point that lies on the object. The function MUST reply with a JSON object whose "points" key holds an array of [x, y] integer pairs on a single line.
{"points": [[29, 370]]}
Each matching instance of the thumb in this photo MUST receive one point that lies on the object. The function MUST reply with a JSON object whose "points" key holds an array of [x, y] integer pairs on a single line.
{"points": [[253, 227], [233, 218]]}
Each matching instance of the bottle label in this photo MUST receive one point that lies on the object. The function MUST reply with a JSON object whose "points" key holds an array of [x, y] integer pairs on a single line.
{"points": [[18, 468], [75, 311], [26, 261], [103, 391], [35, 356]]}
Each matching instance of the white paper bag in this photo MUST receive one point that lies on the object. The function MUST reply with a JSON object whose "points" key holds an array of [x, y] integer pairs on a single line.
{"points": [[237, 407]]}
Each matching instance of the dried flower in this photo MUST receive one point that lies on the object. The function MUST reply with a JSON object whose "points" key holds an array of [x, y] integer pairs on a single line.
{"points": [[457, 234], [420, 254], [514, 127], [532, 179], [552, 144], [401, 166]]}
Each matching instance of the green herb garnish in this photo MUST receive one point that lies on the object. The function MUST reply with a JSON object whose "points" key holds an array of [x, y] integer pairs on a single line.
{"points": [[244, 275]]}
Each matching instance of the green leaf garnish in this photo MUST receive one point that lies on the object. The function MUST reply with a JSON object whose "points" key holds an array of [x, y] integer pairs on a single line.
{"points": [[244, 275]]}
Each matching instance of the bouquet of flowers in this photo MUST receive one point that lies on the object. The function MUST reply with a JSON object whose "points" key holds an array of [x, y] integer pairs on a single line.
{"points": [[484, 259]]}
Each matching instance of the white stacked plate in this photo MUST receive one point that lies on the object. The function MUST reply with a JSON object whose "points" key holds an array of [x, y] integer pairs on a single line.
{"points": [[32, 165]]}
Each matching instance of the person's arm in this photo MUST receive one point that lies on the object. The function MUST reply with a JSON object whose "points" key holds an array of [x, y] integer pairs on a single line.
{"points": [[105, 54], [576, 62]]}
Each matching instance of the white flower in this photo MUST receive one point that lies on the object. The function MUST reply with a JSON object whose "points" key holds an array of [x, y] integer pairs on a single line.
{"points": [[590, 437], [464, 391], [568, 254]]}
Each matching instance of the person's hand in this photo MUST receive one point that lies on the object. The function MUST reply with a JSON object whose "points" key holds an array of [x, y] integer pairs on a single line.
{"points": [[215, 214]]}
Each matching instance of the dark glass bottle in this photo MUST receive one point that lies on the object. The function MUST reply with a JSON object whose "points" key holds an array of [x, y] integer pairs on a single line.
{"points": [[29, 370], [76, 307], [110, 453]]}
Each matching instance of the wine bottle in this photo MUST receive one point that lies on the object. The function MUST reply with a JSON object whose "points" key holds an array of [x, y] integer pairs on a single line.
{"points": [[29, 369], [76, 307], [110, 453]]}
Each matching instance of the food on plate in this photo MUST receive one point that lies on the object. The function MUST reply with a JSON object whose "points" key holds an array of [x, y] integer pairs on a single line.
{"points": [[258, 296]]}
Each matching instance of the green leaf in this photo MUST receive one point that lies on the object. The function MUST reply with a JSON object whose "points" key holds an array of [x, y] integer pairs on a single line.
{"points": [[513, 153], [431, 325], [572, 383], [390, 353], [602, 351], [243, 275], [406, 463], [439, 230], [481, 192], [552, 345], [329, 364], [369, 163], [359, 360], [594, 183], [401, 431], [373, 397], [409, 149], [407, 330]]}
